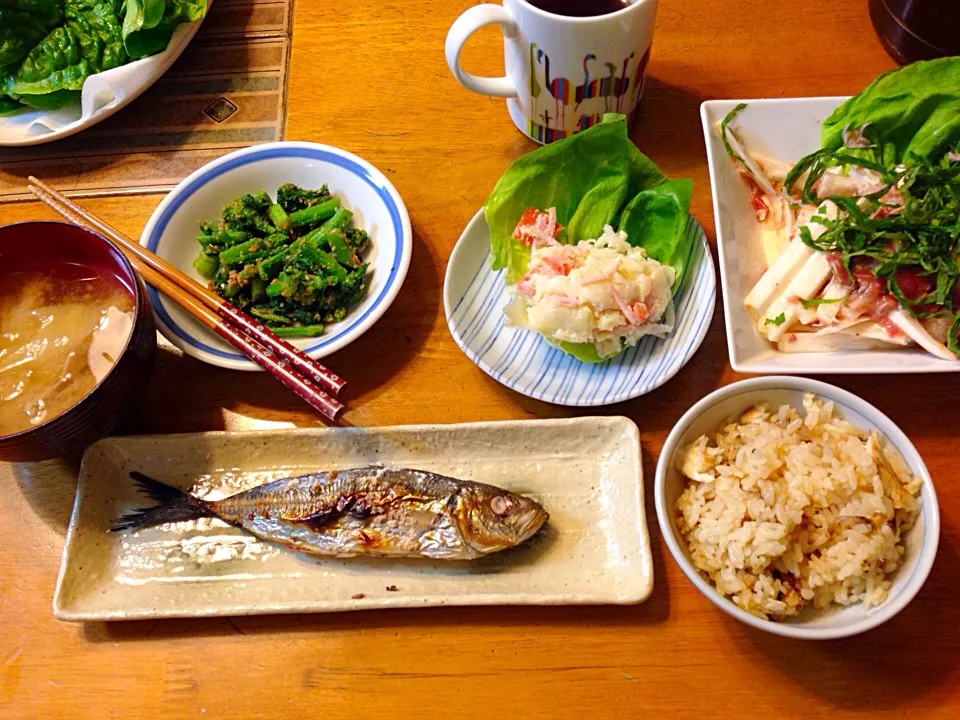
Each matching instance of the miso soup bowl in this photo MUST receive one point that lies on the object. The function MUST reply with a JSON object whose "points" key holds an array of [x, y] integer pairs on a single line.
{"points": [[47, 245]]}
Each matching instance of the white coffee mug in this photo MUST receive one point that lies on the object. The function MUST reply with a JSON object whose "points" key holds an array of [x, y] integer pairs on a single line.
{"points": [[563, 73]]}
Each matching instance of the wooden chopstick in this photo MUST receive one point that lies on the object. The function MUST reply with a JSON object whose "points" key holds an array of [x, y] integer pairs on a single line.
{"points": [[313, 395], [321, 375]]}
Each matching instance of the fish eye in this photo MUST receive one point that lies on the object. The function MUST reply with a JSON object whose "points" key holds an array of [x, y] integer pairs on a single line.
{"points": [[501, 505]]}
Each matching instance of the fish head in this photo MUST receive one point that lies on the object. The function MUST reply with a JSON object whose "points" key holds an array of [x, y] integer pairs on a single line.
{"points": [[491, 519]]}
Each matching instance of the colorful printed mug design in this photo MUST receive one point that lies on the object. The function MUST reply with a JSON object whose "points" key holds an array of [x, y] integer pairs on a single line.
{"points": [[561, 73], [596, 95]]}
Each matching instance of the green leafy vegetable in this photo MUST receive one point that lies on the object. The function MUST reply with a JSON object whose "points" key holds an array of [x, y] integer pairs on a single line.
{"points": [[46, 12], [292, 198], [817, 302], [922, 239], [644, 173], [148, 25], [9, 106], [778, 320], [48, 48], [584, 177], [913, 111], [584, 352], [593, 178], [656, 218], [723, 129], [20, 31], [53, 72], [295, 280]]}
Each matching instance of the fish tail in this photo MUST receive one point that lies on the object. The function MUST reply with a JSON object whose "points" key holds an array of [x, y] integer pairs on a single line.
{"points": [[174, 506]]}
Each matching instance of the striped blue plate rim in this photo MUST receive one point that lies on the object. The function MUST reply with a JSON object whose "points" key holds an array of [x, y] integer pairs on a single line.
{"points": [[650, 364]]}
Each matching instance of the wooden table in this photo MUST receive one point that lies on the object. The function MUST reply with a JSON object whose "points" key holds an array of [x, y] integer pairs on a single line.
{"points": [[369, 76]]}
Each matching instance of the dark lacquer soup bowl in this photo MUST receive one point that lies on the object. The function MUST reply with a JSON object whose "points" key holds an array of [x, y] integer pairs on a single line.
{"points": [[69, 254]]}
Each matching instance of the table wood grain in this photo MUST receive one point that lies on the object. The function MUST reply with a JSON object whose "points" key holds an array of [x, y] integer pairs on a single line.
{"points": [[369, 76]]}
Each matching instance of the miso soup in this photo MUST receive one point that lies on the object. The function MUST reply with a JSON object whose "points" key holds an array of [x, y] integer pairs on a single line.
{"points": [[60, 334]]}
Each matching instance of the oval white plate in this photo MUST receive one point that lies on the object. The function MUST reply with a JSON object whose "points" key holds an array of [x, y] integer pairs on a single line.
{"points": [[103, 94], [172, 230], [474, 297]]}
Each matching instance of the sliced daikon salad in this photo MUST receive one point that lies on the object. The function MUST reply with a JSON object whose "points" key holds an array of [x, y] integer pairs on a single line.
{"points": [[862, 237]]}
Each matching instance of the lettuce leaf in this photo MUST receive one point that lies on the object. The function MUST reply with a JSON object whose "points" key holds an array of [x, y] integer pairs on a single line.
{"points": [[46, 12], [594, 178], [584, 352], [87, 43], [148, 25], [584, 177], [8, 106], [656, 220], [913, 111], [48, 48], [19, 32]]}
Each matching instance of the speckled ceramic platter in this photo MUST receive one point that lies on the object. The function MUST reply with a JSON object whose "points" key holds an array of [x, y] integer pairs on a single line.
{"points": [[586, 472]]}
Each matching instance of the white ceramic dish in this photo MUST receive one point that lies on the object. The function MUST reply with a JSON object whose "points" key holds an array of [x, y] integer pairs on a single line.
{"points": [[586, 472], [920, 543], [172, 230], [474, 298], [103, 94], [786, 129]]}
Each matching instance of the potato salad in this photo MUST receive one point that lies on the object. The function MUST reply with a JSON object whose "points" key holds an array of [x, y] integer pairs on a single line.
{"points": [[602, 291]]}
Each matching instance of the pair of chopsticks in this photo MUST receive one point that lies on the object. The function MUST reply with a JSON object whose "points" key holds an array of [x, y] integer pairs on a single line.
{"points": [[314, 383]]}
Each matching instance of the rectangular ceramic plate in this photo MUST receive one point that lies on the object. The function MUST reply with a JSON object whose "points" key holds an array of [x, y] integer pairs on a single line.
{"points": [[785, 129], [586, 472]]}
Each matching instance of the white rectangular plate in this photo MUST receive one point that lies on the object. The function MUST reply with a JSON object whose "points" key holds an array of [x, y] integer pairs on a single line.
{"points": [[586, 472], [786, 129]]}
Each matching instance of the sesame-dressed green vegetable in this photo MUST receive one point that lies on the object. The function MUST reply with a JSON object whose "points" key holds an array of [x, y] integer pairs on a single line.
{"points": [[293, 264]]}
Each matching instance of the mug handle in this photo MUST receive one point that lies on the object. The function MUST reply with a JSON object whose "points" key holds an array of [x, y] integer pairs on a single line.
{"points": [[466, 25]]}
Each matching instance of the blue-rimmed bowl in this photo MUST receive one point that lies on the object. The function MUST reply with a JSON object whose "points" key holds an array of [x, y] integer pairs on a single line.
{"points": [[172, 230]]}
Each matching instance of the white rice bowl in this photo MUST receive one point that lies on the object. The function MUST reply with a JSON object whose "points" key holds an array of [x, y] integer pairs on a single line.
{"points": [[789, 524], [784, 509]]}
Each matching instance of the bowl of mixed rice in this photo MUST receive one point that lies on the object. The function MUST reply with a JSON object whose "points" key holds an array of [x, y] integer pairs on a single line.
{"points": [[797, 507]]}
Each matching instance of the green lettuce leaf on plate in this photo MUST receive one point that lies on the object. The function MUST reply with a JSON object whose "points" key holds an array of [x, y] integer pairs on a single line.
{"points": [[46, 12], [19, 32], [148, 25], [657, 218], [9, 106], [594, 178], [48, 48], [23, 23], [913, 111], [53, 72]]}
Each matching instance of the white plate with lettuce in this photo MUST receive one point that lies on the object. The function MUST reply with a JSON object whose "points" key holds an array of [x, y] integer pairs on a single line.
{"points": [[584, 281], [68, 64]]}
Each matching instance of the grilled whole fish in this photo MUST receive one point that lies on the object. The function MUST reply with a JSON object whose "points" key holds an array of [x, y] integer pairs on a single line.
{"points": [[364, 511]]}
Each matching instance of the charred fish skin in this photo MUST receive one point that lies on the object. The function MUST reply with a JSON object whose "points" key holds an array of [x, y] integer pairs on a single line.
{"points": [[384, 512]]}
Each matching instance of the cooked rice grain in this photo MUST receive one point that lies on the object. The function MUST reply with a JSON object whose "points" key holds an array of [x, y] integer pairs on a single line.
{"points": [[783, 510]]}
